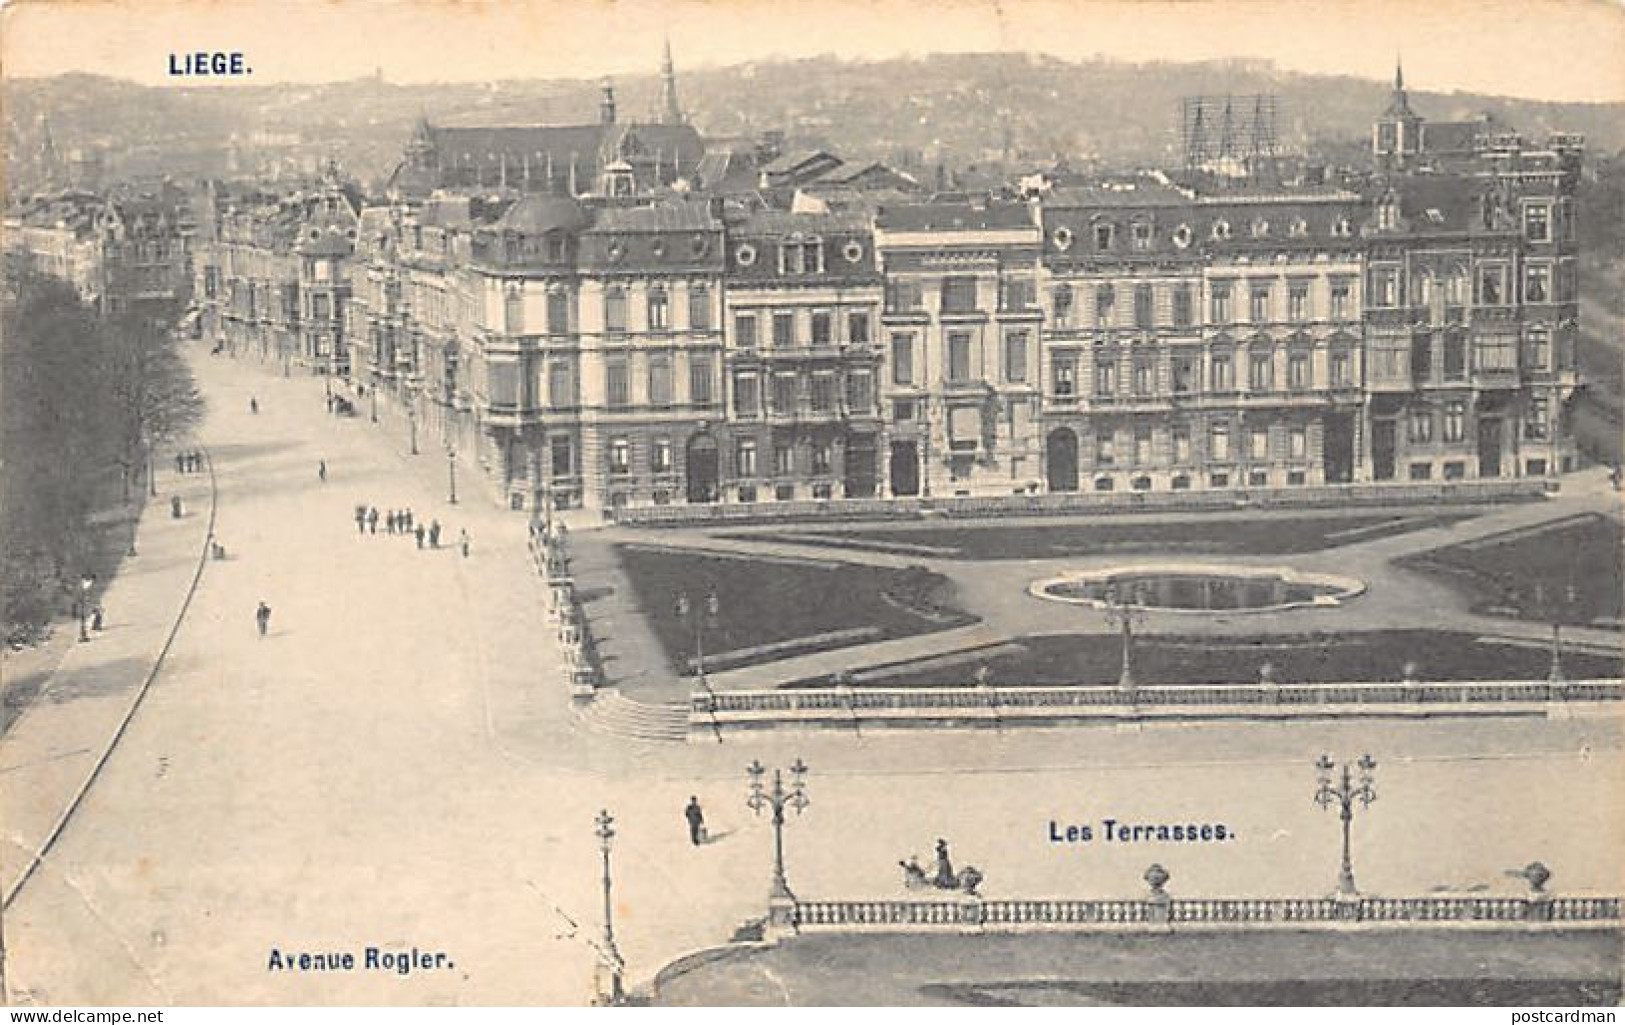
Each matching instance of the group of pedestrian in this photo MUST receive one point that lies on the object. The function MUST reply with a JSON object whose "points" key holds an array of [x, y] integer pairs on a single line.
{"points": [[401, 522], [189, 462]]}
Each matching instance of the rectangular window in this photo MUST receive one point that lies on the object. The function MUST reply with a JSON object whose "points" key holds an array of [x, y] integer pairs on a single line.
{"points": [[1537, 424], [959, 295], [617, 384], [659, 312], [1015, 357], [902, 359], [784, 394], [1184, 375], [319, 310], [1491, 285], [1422, 358], [1221, 303], [745, 330], [615, 311], [1219, 442], [1143, 306], [747, 395], [1537, 223], [1297, 371], [1537, 283], [561, 451], [1496, 352], [1455, 420], [1061, 302], [1103, 237], [1182, 444], [1455, 357], [745, 457], [1142, 446], [1105, 305], [822, 398], [699, 308], [823, 328], [1106, 376], [700, 390], [560, 385], [1297, 302], [1341, 369], [904, 296], [1340, 300], [1420, 426], [620, 456], [1385, 286], [959, 353], [660, 380], [784, 330], [1145, 376], [558, 312], [784, 458], [822, 458], [1259, 304], [860, 390], [1537, 349], [1260, 373], [1183, 313], [1016, 294], [1105, 448], [1258, 443], [1297, 440], [902, 411], [857, 327], [1064, 372], [1221, 375], [660, 455]]}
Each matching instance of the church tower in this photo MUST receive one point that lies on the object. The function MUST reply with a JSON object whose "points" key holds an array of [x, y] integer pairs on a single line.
{"points": [[1396, 138], [670, 112]]}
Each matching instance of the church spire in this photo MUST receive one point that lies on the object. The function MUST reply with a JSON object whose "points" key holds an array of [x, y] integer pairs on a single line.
{"points": [[670, 112]]}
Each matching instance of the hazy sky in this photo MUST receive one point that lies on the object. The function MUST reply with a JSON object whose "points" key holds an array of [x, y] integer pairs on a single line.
{"points": [[1544, 49]]}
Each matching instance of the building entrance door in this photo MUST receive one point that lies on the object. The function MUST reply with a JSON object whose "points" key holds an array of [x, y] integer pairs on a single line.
{"points": [[1061, 459], [1382, 449], [905, 468], [1338, 448], [861, 473], [702, 469], [1489, 447]]}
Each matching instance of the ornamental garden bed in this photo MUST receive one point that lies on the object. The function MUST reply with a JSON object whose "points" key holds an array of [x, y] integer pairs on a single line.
{"points": [[768, 609], [1092, 660], [1259, 535]]}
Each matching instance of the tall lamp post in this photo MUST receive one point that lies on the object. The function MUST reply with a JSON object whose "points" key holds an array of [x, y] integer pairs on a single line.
{"points": [[1343, 793], [778, 798], [1558, 610], [1125, 616], [451, 474], [684, 610], [86, 582], [611, 987]]}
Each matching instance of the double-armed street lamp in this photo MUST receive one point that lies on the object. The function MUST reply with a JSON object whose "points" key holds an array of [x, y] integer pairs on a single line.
{"points": [[685, 610], [778, 797], [1343, 793], [1125, 615], [611, 988]]}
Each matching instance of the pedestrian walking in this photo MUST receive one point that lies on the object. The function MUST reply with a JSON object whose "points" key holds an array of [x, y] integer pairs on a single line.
{"points": [[360, 519], [262, 618], [97, 618], [463, 542], [372, 520], [389, 522], [321, 470], [696, 821], [180, 462], [420, 532], [408, 521], [253, 405], [434, 533]]}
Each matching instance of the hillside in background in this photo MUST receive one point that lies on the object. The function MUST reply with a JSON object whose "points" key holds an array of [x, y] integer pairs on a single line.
{"points": [[953, 108]]}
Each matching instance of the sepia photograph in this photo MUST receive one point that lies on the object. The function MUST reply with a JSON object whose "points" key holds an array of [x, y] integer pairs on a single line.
{"points": [[735, 503]]}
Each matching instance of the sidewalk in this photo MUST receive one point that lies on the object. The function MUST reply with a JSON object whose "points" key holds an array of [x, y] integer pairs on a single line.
{"points": [[56, 742]]}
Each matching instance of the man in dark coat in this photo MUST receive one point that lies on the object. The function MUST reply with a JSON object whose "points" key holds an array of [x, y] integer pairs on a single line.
{"points": [[696, 821]]}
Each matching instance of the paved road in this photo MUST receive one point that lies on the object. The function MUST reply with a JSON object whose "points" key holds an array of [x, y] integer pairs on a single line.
{"points": [[396, 764]]}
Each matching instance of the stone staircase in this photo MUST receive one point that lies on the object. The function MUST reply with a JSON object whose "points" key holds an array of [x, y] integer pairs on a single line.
{"points": [[616, 714]]}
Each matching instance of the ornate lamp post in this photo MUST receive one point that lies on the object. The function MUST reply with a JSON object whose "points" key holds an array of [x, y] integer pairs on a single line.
{"points": [[778, 798], [1125, 615], [1558, 610], [1344, 793], [684, 611], [611, 988]]}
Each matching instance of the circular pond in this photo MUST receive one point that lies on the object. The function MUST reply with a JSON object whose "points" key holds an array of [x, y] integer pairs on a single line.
{"points": [[1199, 588]]}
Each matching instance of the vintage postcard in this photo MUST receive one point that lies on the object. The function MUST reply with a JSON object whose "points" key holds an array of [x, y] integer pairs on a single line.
{"points": [[957, 503]]}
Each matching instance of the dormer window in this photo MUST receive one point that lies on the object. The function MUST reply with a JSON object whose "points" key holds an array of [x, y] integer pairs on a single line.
{"points": [[1260, 228], [1142, 235], [1103, 237], [801, 256], [1342, 227], [1221, 229], [1299, 227]]}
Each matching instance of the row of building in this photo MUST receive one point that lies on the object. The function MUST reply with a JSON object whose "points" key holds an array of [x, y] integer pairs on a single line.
{"points": [[618, 314]]}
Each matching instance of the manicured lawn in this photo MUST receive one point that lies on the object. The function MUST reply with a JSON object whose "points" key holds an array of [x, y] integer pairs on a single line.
{"points": [[1095, 660], [1263, 535], [1499, 574], [764, 601]]}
